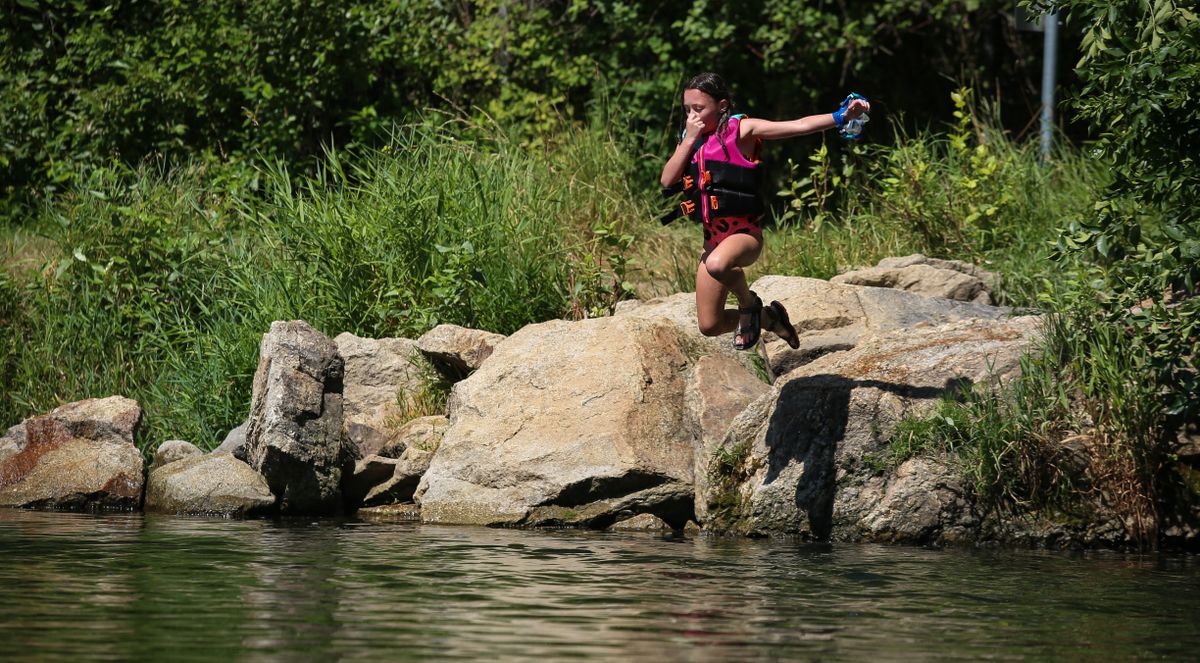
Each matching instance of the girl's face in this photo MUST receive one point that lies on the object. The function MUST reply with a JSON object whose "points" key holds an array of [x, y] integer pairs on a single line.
{"points": [[704, 107]]}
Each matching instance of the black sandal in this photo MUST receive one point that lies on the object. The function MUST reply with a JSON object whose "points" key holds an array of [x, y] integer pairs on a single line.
{"points": [[755, 330], [778, 323]]}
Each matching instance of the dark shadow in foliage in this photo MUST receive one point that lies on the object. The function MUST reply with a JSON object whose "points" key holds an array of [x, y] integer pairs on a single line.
{"points": [[809, 421]]}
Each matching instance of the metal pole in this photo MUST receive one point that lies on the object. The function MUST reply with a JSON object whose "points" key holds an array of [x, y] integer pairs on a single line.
{"points": [[1049, 64]]}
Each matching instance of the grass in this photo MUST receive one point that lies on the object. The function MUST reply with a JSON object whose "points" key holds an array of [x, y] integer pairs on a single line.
{"points": [[158, 283]]}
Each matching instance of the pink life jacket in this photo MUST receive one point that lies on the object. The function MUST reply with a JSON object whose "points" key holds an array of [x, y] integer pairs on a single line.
{"points": [[719, 181]]}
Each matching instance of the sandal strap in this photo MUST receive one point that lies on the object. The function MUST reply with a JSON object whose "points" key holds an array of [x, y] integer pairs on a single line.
{"points": [[756, 306]]}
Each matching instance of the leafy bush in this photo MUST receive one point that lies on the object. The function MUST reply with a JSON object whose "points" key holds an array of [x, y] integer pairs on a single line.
{"points": [[973, 193], [1126, 326], [128, 79]]}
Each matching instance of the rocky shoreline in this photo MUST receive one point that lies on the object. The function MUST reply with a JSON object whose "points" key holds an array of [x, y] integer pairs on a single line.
{"points": [[633, 421]]}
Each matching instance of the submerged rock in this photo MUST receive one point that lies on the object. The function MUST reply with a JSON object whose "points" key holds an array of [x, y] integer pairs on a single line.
{"points": [[79, 456], [294, 437]]}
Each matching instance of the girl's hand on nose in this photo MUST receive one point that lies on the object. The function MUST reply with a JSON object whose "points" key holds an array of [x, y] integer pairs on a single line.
{"points": [[694, 127]]}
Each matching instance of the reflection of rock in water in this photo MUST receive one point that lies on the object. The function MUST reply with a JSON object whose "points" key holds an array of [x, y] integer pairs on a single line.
{"points": [[291, 603]]}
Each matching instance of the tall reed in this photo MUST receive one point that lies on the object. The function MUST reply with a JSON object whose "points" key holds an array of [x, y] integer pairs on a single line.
{"points": [[162, 282]]}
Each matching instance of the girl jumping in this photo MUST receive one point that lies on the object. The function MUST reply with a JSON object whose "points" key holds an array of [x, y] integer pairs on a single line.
{"points": [[716, 168]]}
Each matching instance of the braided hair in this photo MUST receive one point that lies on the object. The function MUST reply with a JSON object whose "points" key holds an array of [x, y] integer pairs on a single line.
{"points": [[714, 86]]}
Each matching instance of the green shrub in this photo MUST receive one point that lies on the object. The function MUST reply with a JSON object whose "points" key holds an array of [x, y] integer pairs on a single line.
{"points": [[973, 193], [163, 284]]}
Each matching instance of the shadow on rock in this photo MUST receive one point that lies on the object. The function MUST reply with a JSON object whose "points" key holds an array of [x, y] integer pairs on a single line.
{"points": [[809, 422]]}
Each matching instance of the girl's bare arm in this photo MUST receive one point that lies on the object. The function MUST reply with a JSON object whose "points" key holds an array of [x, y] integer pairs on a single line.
{"points": [[678, 162], [768, 130]]}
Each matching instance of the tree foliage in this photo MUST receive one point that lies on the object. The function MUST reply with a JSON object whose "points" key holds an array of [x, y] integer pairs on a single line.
{"points": [[85, 82]]}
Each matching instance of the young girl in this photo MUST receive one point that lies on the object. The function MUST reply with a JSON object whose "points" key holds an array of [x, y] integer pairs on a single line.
{"points": [[715, 165]]}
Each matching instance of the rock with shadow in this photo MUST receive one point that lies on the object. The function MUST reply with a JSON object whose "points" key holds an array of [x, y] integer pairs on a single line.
{"points": [[795, 461]]}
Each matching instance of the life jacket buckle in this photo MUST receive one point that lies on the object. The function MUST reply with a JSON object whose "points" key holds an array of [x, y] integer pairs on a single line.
{"points": [[688, 207], [688, 182], [706, 177], [712, 203]]}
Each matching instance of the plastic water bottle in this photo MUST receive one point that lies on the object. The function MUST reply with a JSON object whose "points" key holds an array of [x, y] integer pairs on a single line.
{"points": [[853, 128]]}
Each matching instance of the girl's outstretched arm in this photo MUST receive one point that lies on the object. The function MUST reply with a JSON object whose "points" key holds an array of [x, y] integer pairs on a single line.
{"points": [[768, 130]]}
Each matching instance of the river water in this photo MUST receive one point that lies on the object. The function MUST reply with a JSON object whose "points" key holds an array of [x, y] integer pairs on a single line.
{"points": [[138, 588]]}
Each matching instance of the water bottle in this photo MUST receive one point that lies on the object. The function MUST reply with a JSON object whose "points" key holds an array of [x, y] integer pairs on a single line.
{"points": [[853, 128]]}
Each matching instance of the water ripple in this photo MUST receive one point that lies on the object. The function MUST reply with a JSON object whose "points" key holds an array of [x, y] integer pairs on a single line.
{"points": [[81, 587]]}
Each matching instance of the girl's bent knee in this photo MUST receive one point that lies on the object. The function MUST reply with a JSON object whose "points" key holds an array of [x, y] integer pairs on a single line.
{"points": [[710, 329], [718, 268]]}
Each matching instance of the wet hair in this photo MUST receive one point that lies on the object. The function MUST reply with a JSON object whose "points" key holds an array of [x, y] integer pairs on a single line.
{"points": [[714, 86]]}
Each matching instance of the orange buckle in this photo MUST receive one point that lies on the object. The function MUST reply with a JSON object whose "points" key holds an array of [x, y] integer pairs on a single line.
{"points": [[687, 206], [712, 202], [688, 182], [706, 177]]}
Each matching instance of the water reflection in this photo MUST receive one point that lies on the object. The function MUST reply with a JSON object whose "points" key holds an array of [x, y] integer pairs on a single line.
{"points": [[76, 587]]}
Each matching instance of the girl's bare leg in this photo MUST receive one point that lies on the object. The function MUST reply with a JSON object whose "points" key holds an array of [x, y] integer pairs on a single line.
{"points": [[720, 272]]}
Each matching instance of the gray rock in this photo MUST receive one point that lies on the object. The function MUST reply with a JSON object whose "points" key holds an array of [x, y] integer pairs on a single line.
{"points": [[12, 442], [378, 480], [216, 484], [295, 437], [79, 456], [830, 317], [235, 442], [720, 389], [922, 501], [643, 522], [568, 423], [457, 351], [798, 452], [378, 373], [929, 277], [422, 433], [171, 451]]}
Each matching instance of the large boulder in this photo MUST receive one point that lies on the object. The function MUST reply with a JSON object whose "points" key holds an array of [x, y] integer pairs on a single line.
{"points": [[457, 351], [680, 310], [929, 277], [378, 373], [831, 317], [794, 460], [79, 456], [294, 437], [569, 423], [212, 484]]}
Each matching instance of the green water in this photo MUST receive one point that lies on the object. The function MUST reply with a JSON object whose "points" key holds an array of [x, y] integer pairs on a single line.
{"points": [[81, 587]]}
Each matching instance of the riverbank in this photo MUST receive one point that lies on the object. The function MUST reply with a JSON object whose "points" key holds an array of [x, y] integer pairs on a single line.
{"points": [[629, 421]]}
